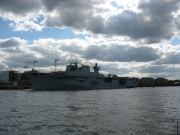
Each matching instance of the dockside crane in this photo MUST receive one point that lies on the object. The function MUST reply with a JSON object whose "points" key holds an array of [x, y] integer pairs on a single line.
{"points": [[55, 60], [34, 65], [55, 63]]}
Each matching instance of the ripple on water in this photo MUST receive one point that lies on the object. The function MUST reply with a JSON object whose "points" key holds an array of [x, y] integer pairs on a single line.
{"points": [[139, 111]]}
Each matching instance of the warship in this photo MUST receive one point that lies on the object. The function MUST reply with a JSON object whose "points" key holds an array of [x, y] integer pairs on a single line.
{"points": [[79, 78]]}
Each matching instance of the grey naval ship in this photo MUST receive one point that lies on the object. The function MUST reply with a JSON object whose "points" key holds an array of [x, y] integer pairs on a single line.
{"points": [[79, 78]]}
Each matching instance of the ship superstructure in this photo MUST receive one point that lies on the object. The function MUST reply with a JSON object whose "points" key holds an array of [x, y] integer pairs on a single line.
{"points": [[79, 78]]}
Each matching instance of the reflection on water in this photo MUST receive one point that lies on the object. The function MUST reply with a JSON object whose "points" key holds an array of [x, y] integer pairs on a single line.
{"points": [[124, 111]]}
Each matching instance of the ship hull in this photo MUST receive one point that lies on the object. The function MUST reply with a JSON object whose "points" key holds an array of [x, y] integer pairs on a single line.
{"points": [[48, 81]]}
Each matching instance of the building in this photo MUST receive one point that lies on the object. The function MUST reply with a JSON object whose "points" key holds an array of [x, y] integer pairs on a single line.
{"points": [[161, 81], [147, 81], [9, 76], [14, 78]]}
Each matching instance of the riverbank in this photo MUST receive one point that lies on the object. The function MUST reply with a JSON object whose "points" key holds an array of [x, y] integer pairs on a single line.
{"points": [[15, 87]]}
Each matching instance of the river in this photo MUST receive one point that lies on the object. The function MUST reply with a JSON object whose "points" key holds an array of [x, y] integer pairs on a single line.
{"points": [[135, 111]]}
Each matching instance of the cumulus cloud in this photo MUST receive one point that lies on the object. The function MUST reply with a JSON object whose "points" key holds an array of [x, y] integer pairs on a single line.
{"points": [[27, 25], [11, 42], [121, 53], [106, 51], [151, 69], [153, 23], [114, 68], [169, 58], [143, 23], [20, 7], [15, 52], [113, 57], [46, 49], [76, 14], [2, 65], [154, 71]]}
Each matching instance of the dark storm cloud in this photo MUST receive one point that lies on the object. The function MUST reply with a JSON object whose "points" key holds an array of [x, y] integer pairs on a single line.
{"points": [[95, 24], [77, 14], [20, 7], [159, 9], [133, 25], [153, 24], [68, 18], [121, 53], [160, 13], [177, 22], [70, 4], [170, 58]]}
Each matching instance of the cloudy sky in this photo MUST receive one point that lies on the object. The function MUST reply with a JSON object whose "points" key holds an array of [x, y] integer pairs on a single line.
{"points": [[138, 38]]}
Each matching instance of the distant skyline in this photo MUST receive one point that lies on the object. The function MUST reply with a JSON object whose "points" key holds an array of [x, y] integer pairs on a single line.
{"points": [[139, 38]]}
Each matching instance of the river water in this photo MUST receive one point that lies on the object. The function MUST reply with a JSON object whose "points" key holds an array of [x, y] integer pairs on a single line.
{"points": [[135, 111]]}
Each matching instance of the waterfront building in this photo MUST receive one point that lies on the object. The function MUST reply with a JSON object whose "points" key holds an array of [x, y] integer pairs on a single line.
{"points": [[8, 76], [14, 78], [161, 81], [147, 81]]}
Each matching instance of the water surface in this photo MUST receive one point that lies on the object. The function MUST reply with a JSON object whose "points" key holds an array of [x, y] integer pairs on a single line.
{"points": [[99, 112]]}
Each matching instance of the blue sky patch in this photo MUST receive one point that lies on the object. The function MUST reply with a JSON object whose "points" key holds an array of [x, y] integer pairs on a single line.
{"points": [[116, 5], [176, 41], [55, 33]]}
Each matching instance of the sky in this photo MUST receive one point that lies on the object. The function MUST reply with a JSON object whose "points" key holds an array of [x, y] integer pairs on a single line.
{"points": [[132, 38]]}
